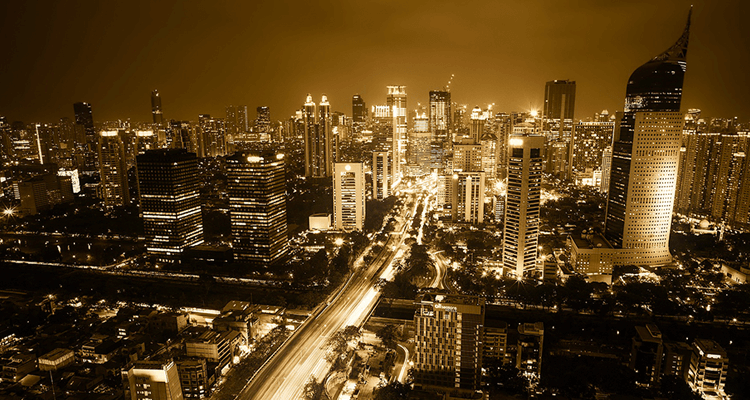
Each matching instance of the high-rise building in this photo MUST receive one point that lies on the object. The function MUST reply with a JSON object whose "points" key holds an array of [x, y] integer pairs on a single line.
{"points": [[263, 120], [606, 168], [708, 368], [646, 354], [380, 187], [348, 196], [168, 187], [467, 204], [213, 139], [448, 340], [242, 120], [156, 111], [467, 157], [530, 346], [113, 170], [489, 154], [318, 140], [86, 137], [440, 114], [591, 138], [152, 380], [359, 113], [257, 207], [559, 100], [645, 156], [396, 102], [476, 130], [522, 204]]}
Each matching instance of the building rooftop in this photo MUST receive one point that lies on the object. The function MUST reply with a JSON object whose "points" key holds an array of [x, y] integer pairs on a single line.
{"points": [[450, 299], [710, 348], [591, 241], [56, 354], [649, 333], [531, 328]]}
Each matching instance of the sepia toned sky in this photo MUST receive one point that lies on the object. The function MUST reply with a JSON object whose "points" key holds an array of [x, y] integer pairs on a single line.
{"points": [[205, 55]]}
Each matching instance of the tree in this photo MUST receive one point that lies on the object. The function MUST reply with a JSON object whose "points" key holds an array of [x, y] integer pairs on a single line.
{"points": [[389, 336], [313, 390], [392, 391], [338, 345]]}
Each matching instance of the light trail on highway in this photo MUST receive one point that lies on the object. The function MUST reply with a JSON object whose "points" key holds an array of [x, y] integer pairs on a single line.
{"points": [[285, 374]]}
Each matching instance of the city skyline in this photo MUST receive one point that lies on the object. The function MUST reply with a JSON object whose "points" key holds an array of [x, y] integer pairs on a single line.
{"points": [[119, 77]]}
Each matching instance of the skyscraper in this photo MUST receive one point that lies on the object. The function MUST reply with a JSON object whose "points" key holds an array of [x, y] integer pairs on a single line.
{"points": [[396, 102], [86, 137], [213, 140], [359, 113], [380, 187], [348, 196], [522, 207], [448, 341], [113, 170], [263, 120], [169, 202], [468, 197], [318, 146], [645, 157], [156, 110], [559, 100], [440, 114], [476, 130], [257, 207]]}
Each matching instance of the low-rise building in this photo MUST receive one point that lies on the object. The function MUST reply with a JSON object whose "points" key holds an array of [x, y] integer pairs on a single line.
{"points": [[218, 347], [592, 255], [17, 366], [152, 380], [530, 346], [56, 359], [646, 354], [195, 378]]}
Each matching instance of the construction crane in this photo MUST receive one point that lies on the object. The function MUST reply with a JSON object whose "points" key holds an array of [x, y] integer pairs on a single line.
{"points": [[448, 86]]}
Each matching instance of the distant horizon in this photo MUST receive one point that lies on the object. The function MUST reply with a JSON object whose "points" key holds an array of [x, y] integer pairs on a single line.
{"points": [[203, 59]]}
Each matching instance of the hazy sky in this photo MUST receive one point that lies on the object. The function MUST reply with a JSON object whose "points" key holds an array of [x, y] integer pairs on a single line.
{"points": [[205, 55]]}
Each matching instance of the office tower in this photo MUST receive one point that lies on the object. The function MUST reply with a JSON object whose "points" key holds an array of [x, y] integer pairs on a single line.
{"points": [[113, 170], [419, 147], [687, 168], [440, 114], [230, 120], [359, 113], [459, 119], [503, 130], [448, 341], [348, 196], [467, 157], [530, 349], [606, 169], [380, 188], [476, 130], [489, 154], [708, 368], [86, 137], [522, 204], [591, 138], [181, 134], [213, 140], [263, 120], [559, 100], [152, 380], [5, 147], [168, 186], [646, 354], [645, 154], [156, 111], [242, 120], [145, 141], [257, 207], [468, 197], [318, 146], [396, 102]]}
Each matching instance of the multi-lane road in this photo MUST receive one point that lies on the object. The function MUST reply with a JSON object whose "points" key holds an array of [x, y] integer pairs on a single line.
{"points": [[303, 356]]}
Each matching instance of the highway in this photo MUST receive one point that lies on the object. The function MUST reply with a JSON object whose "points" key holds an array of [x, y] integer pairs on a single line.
{"points": [[285, 374]]}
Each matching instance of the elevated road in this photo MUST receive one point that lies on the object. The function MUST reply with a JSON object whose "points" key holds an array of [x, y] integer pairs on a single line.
{"points": [[285, 374]]}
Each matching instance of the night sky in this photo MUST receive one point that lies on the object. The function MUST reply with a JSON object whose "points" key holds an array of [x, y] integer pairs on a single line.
{"points": [[205, 55]]}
